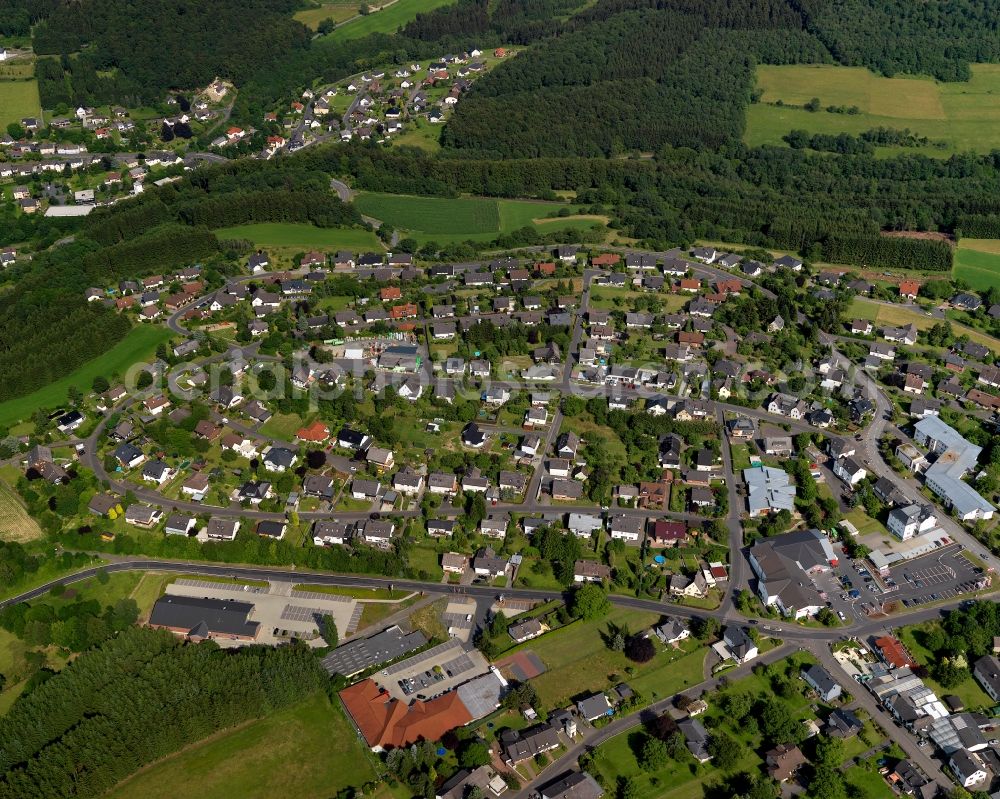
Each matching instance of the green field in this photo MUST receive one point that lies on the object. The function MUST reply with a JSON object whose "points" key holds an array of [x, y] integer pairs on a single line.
{"points": [[578, 661], [338, 12], [977, 261], [390, 19], [293, 234], [138, 345], [968, 690], [899, 315], [447, 220], [306, 751], [18, 99], [962, 115]]}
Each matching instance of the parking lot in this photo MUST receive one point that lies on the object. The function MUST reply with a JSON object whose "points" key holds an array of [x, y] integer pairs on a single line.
{"points": [[943, 575], [856, 591]]}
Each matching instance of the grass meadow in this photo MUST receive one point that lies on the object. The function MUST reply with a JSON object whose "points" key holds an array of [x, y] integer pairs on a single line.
{"points": [[138, 345], [18, 99], [388, 19], [963, 116], [302, 235], [448, 220], [978, 262], [308, 751]]}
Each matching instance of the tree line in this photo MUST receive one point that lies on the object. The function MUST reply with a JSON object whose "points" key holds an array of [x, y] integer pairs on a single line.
{"points": [[140, 696]]}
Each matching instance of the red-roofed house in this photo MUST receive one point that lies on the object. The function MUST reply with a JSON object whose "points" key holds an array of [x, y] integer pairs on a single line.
{"points": [[386, 722], [908, 289], [407, 311], [545, 269], [607, 259], [689, 284], [667, 533], [317, 433], [729, 286], [390, 293], [893, 652]]}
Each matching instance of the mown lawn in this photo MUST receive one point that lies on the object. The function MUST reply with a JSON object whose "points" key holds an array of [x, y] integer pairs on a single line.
{"points": [[977, 261], [579, 662], [338, 12], [295, 234], [309, 751], [960, 115], [899, 315], [138, 345], [18, 99]]}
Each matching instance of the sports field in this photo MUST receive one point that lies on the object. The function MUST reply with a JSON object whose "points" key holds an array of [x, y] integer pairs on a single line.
{"points": [[978, 262], [446, 220], [295, 234], [308, 751], [963, 115], [389, 19], [138, 345], [18, 99]]}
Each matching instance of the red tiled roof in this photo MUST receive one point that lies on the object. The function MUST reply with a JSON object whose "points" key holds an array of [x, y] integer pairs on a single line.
{"points": [[391, 293], [669, 531], [608, 259], [893, 652], [317, 431], [387, 722], [909, 287]]}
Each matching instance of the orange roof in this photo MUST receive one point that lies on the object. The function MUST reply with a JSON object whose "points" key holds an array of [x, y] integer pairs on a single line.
{"points": [[608, 259], [733, 286], [403, 311], [317, 431], [387, 722], [893, 652], [235, 129], [910, 287], [546, 268], [390, 293], [690, 283]]}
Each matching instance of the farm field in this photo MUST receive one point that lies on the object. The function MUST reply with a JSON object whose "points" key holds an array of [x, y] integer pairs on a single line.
{"points": [[390, 18], [447, 220], [337, 11], [139, 344], [18, 99], [978, 262], [294, 234], [962, 115], [307, 751], [15, 523], [899, 315]]}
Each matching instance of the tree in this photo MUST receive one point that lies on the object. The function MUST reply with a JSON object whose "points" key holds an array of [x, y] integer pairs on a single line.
{"points": [[653, 756], [725, 751], [328, 629], [100, 384], [705, 628], [15, 130], [473, 754], [573, 405], [639, 649], [588, 602], [326, 26]]}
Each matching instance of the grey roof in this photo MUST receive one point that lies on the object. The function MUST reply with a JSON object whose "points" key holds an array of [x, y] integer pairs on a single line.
{"points": [[577, 785], [528, 743], [223, 616], [358, 655], [593, 706]]}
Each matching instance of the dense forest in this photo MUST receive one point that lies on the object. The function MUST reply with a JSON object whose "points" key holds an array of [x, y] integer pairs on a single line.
{"points": [[134, 51], [140, 696]]}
